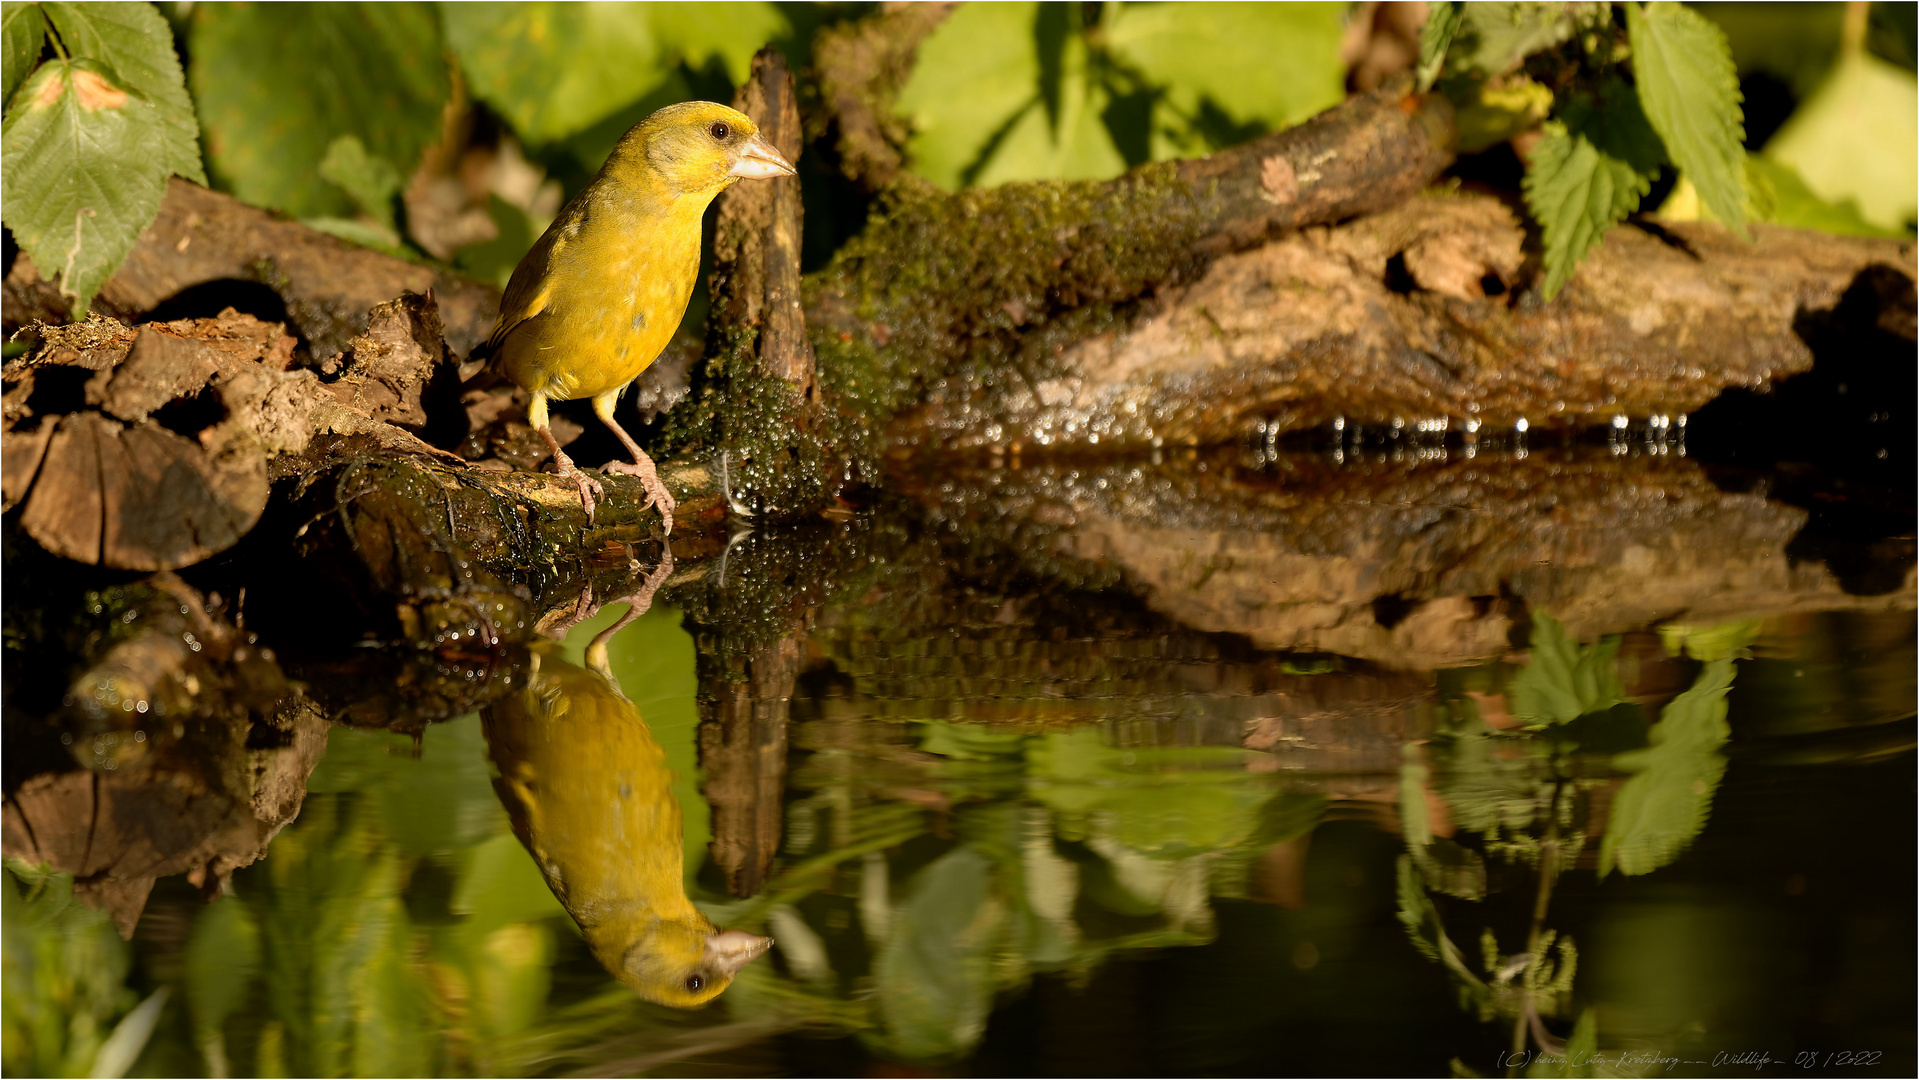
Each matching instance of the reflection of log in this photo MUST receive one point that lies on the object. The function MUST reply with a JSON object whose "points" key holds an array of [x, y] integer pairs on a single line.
{"points": [[743, 717], [1411, 565], [1385, 319], [192, 750]]}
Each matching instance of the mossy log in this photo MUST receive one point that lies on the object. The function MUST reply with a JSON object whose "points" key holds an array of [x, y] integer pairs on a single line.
{"points": [[1423, 315]]}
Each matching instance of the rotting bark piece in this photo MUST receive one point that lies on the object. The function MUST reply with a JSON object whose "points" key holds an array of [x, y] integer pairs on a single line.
{"points": [[159, 368], [387, 369], [743, 754], [97, 344]]}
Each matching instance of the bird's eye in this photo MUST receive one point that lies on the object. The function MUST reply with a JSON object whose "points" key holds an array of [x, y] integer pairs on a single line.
{"points": [[719, 130], [694, 982]]}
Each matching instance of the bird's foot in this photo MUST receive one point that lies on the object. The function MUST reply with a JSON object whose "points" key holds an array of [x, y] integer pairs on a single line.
{"points": [[591, 491], [656, 493]]}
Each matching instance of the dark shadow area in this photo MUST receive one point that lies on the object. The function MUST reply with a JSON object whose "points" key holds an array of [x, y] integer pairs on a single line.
{"points": [[205, 300]]}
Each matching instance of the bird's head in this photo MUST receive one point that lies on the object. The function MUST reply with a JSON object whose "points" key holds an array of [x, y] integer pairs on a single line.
{"points": [[685, 963], [698, 147]]}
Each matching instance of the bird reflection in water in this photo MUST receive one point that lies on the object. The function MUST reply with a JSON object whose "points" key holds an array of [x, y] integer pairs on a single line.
{"points": [[590, 795]]}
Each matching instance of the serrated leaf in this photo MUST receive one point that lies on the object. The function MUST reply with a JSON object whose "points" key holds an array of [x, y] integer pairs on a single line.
{"points": [[1564, 681], [1690, 92], [375, 71], [85, 168], [1261, 67], [134, 43], [23, 32], [1442, 22], [1493, 37], [1576, 192], [1854, 139], [1657, 813]]}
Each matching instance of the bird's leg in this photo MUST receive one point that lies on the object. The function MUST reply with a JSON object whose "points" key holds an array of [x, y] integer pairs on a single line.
{"points": [[564, 468], [642, 466], [640, 601]]}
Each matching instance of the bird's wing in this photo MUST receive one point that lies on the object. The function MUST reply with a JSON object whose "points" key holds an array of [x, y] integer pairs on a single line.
{"points": [[530, 289]]}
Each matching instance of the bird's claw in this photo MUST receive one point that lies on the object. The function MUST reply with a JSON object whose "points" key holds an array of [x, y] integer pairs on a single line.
{"points": [[656, 493], [591, 490]]}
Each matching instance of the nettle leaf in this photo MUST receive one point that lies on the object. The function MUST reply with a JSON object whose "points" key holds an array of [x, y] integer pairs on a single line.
{"points": [[977, 76], [1442, 22], [1663, 807], [1587, 174], [374, 71], [1690, 92], [133, 43], [1257, 67], [85, 166], [1564, 681], [23, 32], [1493, 38]]}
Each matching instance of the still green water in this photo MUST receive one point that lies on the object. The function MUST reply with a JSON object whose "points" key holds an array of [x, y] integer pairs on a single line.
{"points": [[1038, 851]]}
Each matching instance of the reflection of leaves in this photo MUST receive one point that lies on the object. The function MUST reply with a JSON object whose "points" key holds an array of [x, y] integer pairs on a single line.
{"points": [[1420, 917], [1164, 802], [1659, 811], [1720, 641], [222, 958], [65, 975], [934, 977], [1564, 681]]}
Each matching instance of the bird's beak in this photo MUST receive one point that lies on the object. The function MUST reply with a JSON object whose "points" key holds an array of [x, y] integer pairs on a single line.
{"points": [[731, 950], [758, 161]]}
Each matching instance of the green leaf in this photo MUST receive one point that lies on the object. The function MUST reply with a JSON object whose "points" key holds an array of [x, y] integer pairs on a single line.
{"points": [[1857, 139], [1690, 92], [1066, 141], [1659, 811], [1717, 641], [552, 69], [977, 74], [1782, 197], [374, 71], [134, 43], [701, 33], [1564, 681], [1259, 66], [1442, 22], [23, 33], [85, 168], [1492, 38], [370, 181]]}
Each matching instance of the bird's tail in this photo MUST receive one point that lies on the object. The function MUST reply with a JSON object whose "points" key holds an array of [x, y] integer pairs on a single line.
{"points": [[478, 371]]}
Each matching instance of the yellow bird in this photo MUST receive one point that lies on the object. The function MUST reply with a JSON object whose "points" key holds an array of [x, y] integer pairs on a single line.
{"points": [[590, 795], [605, 288]]}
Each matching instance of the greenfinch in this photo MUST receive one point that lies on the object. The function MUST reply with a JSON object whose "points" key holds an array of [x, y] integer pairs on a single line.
{"points": [[590, 795], [603, 291]]}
